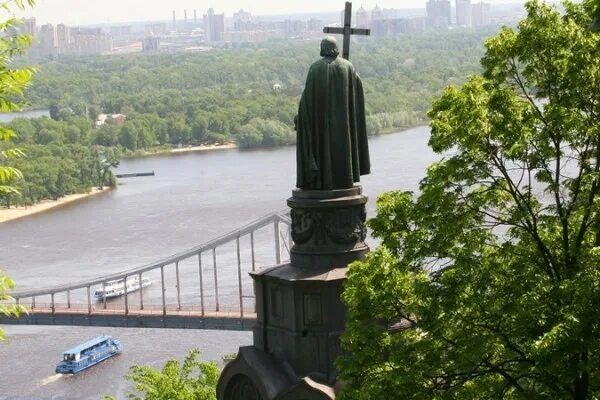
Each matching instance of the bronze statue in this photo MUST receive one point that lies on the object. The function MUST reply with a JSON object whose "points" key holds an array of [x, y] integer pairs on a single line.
{"points": [[332, 147]]}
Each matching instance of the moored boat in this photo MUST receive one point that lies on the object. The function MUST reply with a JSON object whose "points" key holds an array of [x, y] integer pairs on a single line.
{"points": [[117, 287], [88, 354]]}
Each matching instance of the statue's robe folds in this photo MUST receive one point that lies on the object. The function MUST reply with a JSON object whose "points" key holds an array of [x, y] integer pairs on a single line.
{"points": [[332, 147]]}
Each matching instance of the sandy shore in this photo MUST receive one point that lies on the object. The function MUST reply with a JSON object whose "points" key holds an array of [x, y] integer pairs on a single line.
{"points": [[188, 149], [205, 148], [20, 212]]}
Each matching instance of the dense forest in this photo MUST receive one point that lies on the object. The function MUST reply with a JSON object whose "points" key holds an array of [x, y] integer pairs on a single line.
{"points": [[247, 95]]}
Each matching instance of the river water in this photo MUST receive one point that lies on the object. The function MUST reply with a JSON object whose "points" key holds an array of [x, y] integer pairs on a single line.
{"points": [[193, 197], [8, 117]]}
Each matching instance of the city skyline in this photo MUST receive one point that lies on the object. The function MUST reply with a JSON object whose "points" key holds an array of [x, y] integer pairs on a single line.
{"points": [[118, 11]]}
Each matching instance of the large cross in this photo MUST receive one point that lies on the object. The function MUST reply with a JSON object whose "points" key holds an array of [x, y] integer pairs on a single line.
{"points": [[347, 30]]}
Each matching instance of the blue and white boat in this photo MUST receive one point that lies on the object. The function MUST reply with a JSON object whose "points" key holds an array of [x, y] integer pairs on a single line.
{"points": [[88, 354]]}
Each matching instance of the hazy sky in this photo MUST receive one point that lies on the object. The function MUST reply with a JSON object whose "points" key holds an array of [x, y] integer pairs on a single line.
{"points": [[74, 12]]}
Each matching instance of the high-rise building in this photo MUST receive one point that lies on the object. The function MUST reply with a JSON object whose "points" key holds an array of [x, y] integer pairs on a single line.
{"points": [[241, 20], [362, 18], [463, 13], [90, 41], [29, 26], [174, 21], [48, 40], [63, 39], [293, 28], [439, 13], [151, 44], [195, 18], [377, 14], [214, 26], [481, 14]]}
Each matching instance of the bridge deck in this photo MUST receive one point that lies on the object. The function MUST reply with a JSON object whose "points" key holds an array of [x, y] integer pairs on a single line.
{"points": [[147, 318]]}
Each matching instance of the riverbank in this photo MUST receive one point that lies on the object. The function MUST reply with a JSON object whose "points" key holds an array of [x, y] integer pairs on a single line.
{"points": [[10, 214], [161, 151], [211, 147], [166, 150]]}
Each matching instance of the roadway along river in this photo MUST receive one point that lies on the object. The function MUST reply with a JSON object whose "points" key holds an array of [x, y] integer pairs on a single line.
{"points": [[193, 198]]}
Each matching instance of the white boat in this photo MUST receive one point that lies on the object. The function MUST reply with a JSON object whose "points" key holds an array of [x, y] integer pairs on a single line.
{"points": [[116, 288]]}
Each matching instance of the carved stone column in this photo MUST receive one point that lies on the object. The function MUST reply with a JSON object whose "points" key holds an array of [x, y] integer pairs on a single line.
{"points": [[300, 315]]}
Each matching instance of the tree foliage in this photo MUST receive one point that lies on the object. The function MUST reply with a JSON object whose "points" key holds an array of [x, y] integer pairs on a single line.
{"points": [[173, 99], [487, 283], [190, 380], [12, 84], [210, 98]]}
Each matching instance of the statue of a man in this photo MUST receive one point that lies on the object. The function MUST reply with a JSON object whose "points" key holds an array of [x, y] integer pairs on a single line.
{"points": [[332, 147]]}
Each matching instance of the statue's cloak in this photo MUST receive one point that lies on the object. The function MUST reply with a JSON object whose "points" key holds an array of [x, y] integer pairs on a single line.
{"points": [[332, 147]]}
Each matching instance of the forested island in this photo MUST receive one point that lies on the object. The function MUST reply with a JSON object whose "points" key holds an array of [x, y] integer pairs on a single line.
{"points": [[246, 95]]}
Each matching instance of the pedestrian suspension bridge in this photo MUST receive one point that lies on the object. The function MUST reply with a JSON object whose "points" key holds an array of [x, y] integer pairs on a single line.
{"points": [[206, 287]]}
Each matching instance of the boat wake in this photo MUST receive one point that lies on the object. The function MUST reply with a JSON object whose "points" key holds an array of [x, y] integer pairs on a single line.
{"points": [[51, 379]]}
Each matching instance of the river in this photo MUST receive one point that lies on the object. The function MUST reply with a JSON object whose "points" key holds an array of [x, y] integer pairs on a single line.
{"points": [[193, 198], [8, 117]]}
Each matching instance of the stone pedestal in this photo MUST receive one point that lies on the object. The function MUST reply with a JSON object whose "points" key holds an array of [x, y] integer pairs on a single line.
{"points": [[328, 227], [300, 316]]}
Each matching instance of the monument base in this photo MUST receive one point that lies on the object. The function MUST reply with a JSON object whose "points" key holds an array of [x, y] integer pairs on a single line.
{"points": [[255, 375], [300, 315]]}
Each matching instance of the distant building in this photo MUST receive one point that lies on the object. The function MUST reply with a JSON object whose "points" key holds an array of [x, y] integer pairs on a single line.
{"points": [[293, 28], [417, 24], [315, 25], [87, 41], [151, 44], [362, 18], [63, 39], [377, 14], [439, 13], [241, 19], [157, 29], [109, 119], [48, 40], [29, 26], [385, 27], [463, 13], [214, 26], [481, 14], [120, 31], [397, 26]]}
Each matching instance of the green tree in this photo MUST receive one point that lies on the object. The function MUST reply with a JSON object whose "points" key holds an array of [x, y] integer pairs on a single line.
{"points": [[53, 111], [487, 284], [192, 380], [128, 136], [105, 160], [93, 112], [12, 83], [199, 128]]}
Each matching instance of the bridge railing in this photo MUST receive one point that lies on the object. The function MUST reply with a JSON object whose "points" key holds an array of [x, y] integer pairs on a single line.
{"points": [[281, 244]]}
